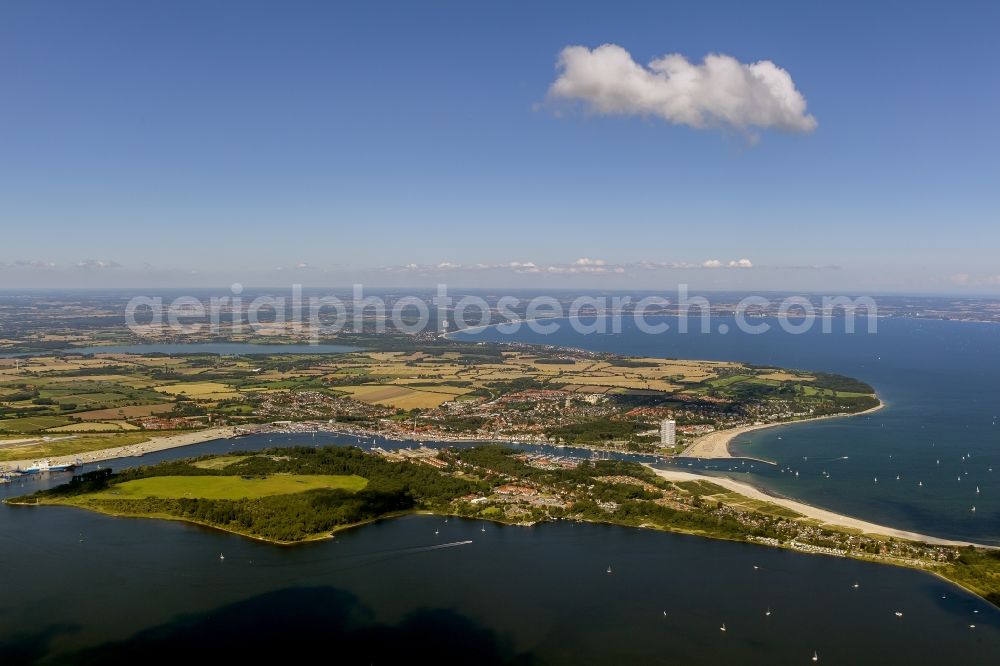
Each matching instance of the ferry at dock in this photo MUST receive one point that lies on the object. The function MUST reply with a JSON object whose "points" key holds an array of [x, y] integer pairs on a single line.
{"points": [[44, 466]]}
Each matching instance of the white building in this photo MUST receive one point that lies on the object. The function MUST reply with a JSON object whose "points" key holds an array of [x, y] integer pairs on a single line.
{"points": [[668, 432]]}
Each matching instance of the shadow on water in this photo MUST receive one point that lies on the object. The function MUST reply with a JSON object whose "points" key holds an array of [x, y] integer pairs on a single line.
{"points": [[288, 624], [31, 648]]}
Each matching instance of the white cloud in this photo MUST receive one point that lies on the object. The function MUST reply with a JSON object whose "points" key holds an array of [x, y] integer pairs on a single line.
{"points": [[719, 91], [96, 264], [35, 263], [583, 265], [735, 263], [967, 280], [523, 267]]}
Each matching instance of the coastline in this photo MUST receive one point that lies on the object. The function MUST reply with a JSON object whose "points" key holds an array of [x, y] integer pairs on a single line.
{"points": [[130, 450], [716, 444], [827, 518]]}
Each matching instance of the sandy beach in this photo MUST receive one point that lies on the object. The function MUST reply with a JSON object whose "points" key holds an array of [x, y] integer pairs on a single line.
{"points": [[716, 444], [826, 517], [149, 446]]}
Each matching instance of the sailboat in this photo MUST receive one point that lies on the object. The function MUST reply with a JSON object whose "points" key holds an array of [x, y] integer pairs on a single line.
{"points": [[221, 557], [767, 613], [723, 627], [609, 568], [815, 656]]}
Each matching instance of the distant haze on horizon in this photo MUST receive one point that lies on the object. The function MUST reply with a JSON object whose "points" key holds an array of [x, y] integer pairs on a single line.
{"points": [[848, 147]]}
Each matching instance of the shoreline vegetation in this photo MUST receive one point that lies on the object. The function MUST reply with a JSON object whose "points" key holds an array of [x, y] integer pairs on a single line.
{"points": [[500, 485]]}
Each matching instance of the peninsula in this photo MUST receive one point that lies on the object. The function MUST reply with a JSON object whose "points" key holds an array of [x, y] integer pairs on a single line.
{"points": [[292, 495]]}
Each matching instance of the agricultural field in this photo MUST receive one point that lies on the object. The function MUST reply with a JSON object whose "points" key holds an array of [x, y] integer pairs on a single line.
{"points": [[96, 426], [199, 390], [66, 444], [229, 487], [30, 424], [403, 396], [132, 412]]}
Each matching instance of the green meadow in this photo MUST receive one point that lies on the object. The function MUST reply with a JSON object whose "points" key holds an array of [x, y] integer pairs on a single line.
{"points": [[228, 487]]}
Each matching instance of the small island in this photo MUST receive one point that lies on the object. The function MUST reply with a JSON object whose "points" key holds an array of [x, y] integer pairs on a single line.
{"points": [[293, 495]]}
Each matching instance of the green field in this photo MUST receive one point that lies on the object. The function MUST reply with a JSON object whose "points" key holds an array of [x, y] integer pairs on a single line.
{"points": [[220, 462], [727, 381], [30, 424], [228, 487], [73, 444]]}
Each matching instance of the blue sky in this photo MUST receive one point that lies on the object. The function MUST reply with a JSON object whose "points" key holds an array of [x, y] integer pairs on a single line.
{"points": [[176, 143]]}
